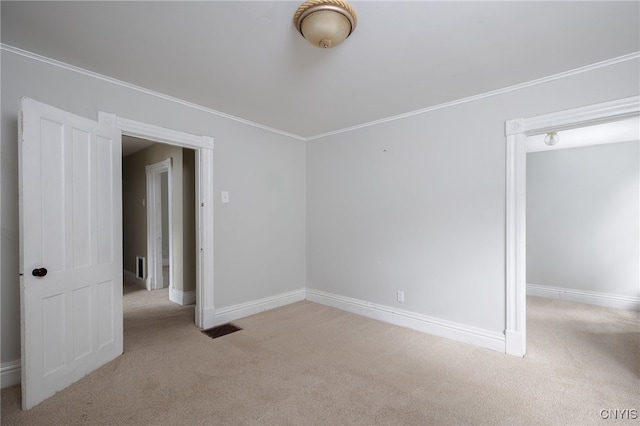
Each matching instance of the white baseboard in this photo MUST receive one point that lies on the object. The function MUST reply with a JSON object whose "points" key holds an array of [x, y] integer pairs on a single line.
{"points": [[515, 343], [10, 373], [182, 297], [212, 317], [607, 300], [208, 318], [131, 277], [462, 333], [231, 313]]}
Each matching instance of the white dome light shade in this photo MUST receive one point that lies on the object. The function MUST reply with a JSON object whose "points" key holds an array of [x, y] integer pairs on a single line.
{"points": [[551, 138], [325, 23], [325, 28]]}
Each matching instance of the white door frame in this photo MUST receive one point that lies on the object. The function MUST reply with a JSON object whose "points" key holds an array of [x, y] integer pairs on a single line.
{"points": [[154, 172], [203, 147], [517, 132]]}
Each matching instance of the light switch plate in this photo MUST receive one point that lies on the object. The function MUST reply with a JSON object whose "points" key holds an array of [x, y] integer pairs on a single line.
{"points": [[224, 197]]}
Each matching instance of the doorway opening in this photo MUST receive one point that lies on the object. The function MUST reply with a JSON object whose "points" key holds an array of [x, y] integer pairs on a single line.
{"points": [[159, 217], [201, 148], [517, 132], [583, 215]]}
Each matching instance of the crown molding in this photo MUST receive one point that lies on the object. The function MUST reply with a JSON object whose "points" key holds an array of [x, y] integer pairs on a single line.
{"points": [[576, 71], [156, 133], [68, 67], [578, 117], [559, 76]]}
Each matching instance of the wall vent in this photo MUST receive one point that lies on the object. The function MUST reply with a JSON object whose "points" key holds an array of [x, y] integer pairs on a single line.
{"points": [[140, 267]]}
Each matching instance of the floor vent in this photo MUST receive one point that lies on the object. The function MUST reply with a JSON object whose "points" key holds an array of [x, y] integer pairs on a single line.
{"points": [[221, 330]]}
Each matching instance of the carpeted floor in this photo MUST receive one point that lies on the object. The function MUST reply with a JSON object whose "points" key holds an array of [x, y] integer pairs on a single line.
{"points": [[308, 364]]}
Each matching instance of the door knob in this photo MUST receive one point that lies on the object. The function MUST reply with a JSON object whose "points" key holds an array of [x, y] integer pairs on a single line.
{"points": [[39, 272]]}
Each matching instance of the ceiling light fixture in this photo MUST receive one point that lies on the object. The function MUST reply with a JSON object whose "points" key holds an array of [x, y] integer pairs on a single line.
{"points": [[551, 138], [325, 23]]}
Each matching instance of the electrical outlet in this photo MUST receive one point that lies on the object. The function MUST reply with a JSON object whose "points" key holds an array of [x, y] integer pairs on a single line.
{"points": [[401, 296]]}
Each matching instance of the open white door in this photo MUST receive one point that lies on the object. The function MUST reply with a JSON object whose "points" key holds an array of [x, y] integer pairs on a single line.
{"points": [[70, 248]]}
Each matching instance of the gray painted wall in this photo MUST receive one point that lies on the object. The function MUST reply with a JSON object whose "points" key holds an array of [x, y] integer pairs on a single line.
{"points": [[583, 218], [259, 239], [418, 204]]}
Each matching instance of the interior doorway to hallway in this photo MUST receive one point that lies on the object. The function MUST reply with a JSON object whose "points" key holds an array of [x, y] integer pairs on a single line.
{"points": [[159, 218], [202, 147]]}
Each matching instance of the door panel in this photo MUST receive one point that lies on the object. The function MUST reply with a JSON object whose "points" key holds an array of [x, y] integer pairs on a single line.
{"points": [[70, 224], [81, 198]]}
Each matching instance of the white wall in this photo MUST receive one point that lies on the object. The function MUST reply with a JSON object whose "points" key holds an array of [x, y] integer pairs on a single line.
{"points": [[418, 204], [259, 237], [583, 219]]}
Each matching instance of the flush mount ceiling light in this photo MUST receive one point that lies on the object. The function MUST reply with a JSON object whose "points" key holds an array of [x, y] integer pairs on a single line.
{"points": [[325, 23]]}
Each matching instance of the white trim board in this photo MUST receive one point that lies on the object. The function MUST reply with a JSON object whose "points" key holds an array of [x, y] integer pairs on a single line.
{"points": [[606, 300], [423, 323], [241, 310], [426, 324], [203, 145], [182, 297], [111, 80], [59, 64], [154, 221], [516, 132], [597, 65], [10, 373]]}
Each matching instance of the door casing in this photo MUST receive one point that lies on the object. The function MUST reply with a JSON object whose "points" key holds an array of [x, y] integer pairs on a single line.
{"points": [[203, 147], [516, 132], [154, 172]]}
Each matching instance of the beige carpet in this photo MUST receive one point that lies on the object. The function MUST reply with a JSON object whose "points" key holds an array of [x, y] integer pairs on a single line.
{"points": [[308, 364]]}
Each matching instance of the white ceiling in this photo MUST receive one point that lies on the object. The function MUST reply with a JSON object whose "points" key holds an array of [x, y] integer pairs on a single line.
{"points": [[246, 59]]}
